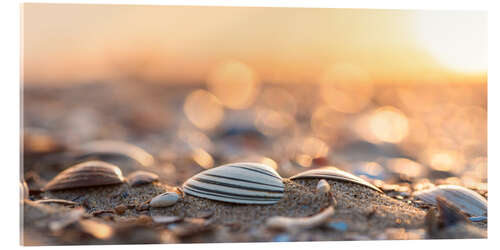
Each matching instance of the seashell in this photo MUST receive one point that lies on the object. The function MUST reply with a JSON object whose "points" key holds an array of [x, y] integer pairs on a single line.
{"points": [[57, 201], [449, 214], [323, 186], [243, 183], [289, 223], [25, 192], [334, 173], [107, 148], [162, 219], [141, 177], [467, 200], [86, 174], [164, 200]]}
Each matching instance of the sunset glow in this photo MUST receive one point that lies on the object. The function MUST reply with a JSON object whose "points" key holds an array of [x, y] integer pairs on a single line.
{"points": [[172, 44], [458, 40]]}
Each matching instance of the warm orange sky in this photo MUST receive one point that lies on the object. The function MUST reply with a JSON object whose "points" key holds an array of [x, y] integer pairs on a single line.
{"points": [[74, 43]]}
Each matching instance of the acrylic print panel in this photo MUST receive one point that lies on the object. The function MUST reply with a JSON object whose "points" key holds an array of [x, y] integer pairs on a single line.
{"points": [[176, 124]]}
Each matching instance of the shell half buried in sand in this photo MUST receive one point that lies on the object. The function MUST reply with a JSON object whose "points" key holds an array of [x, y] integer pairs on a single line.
{"points": [[333, 173], [86, 174], [467, 200], [243, 183]]}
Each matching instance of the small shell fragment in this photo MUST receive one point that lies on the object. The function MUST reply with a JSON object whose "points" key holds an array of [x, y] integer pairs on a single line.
{"points": [[25, 192], [467, 200], [334, 173], [161, 219], [86, 174], [57, 201], [141, 177], [323, 186], [289, 223], [164, 200], [243, 183], [103, 148]]}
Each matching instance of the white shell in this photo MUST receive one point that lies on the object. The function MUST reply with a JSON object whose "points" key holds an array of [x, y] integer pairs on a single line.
{"points": [[244, 183], [323, 186], [290, 223], [334, 174], [465, 199], [164, 200]]}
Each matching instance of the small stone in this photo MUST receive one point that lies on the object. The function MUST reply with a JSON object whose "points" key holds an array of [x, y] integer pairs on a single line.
{"points": [[323, 186], [165, 200], [478, 218], [281, 238], [120, 209], [339, 226]]}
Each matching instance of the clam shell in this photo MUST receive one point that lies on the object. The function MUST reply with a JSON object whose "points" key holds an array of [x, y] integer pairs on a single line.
{"points": [[108, 148], [467, 200], [333, 173], [86, 174], [164, 200], [243, 183], [141, 177]]}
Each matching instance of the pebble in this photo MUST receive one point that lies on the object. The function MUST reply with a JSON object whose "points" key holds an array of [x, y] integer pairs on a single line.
{"points": [[339, 226], [323, 186], [164, 200], [478, 218], [120, 209], [281, 238]]}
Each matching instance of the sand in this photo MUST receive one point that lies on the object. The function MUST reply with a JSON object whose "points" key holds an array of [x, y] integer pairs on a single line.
{"points": [[367, 214]]}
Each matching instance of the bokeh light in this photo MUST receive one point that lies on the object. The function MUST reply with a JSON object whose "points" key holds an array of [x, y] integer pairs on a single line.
{"points": [[234, 83], [271, 122], [346, 87], [203, 109], [202, 158], [327, 123], [388, 124], [406, 167]]}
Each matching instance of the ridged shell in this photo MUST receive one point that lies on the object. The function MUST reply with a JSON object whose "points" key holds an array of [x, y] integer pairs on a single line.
{"points": [[244, 183], [141, 177], [107, 148], [465, 199], [333, 173], [86, 174]]}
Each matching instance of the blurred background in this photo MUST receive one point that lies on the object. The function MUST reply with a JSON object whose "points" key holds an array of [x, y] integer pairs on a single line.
{"points": [[396, 96]]}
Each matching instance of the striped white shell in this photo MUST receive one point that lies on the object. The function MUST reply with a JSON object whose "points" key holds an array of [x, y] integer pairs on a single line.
{"points": [[465, 199], [333, 173], [244, 183]]}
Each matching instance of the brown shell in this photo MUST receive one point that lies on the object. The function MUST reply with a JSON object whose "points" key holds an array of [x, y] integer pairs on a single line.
{"points": [[86, 174], [141, 177]]}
